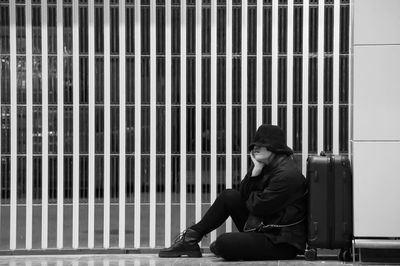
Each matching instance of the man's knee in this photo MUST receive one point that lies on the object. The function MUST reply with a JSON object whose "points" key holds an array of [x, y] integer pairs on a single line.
{"points": [[230, 194], [224, 247]]}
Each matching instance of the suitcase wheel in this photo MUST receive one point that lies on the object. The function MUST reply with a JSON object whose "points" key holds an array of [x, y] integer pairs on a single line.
{"points": [[345, 255], [310, 254]]}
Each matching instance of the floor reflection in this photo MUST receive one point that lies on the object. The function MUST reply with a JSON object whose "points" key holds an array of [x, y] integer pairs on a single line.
{"points": [[139, 260]]}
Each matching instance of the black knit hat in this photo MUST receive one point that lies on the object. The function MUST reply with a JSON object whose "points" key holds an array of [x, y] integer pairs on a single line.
{"points": [[273, 138]]}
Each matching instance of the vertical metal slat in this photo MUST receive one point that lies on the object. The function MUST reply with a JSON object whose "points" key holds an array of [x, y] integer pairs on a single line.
{"points": [[13, 127], [153, 125], [213, 129], [320, 108], [138, 112], [289, 131], [29, 127], [75, 163], [91, 127], [45, 130], [60, 127], [351, 64], [305, 85], [259, 60], [168, 122], [228, 136], [336, 71], [274, 64], [107, 124], [244, 90], [122, 125], [198, 151], [183, 120]]}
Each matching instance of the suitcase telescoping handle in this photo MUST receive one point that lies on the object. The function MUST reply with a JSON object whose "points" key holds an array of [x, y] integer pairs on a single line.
{"points": [[331, 160]]}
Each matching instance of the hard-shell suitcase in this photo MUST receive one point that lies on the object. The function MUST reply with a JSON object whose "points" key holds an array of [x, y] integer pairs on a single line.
{"points": [[330, 205]]}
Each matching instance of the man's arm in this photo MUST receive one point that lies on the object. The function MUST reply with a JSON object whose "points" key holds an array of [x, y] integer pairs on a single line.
{"points": [[273, 198]]}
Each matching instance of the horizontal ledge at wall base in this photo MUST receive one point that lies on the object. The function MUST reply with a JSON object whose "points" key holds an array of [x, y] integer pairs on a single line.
{"points": [[95, 251], [373, 141], [377, 243], [377, 44]]}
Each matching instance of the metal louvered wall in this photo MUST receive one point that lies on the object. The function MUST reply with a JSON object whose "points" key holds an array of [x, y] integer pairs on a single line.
{"points": [[121, 121]]}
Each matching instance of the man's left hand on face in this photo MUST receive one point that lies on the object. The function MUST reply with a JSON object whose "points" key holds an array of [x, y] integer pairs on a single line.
{"points": [[258, 165]]}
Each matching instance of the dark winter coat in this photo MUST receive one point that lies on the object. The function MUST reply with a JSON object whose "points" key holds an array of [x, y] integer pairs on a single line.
{"points": [[278, 195]]}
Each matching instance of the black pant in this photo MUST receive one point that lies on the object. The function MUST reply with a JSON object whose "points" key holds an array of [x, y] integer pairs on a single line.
{"points": [[240, 245]]}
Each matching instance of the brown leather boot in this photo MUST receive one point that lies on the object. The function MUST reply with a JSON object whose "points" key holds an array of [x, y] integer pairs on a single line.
{"points": [[184, 244]]}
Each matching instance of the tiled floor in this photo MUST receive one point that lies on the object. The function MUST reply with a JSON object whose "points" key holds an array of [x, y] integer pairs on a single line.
{"points": [[141, 259]]}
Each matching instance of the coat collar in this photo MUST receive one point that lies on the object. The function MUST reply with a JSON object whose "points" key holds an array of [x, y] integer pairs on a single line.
{"points": [[277, 161]]}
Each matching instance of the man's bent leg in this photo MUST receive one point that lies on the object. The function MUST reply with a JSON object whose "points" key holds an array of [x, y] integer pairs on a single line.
{"points": [[252, 246], [228, 203]]}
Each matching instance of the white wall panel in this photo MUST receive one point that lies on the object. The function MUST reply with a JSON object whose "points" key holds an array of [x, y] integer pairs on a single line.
{"points": [[376, 189], [376, 22], [376, 92], [375, 108]]}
